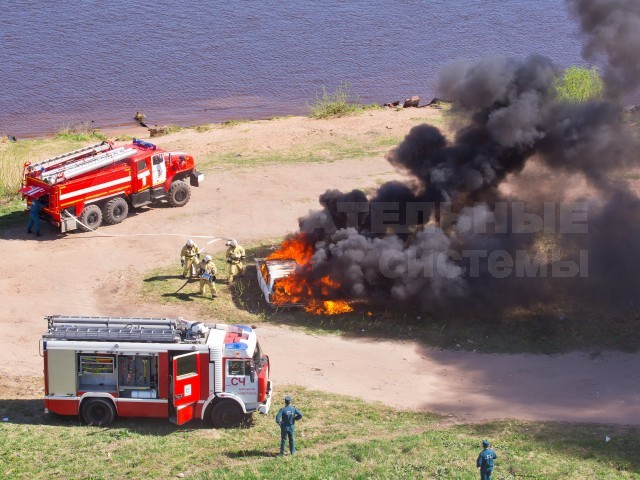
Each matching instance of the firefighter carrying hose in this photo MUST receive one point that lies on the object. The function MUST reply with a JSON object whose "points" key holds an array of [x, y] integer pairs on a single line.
{"points": [[188, 258], [208, 271], [235, 257]]}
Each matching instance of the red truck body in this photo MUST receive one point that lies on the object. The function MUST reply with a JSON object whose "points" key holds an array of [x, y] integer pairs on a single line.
{"points": [[101, 368], [100, 183]]}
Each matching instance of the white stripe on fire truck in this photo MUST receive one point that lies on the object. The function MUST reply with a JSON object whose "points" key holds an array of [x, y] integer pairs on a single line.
{"points": [[144, 174], [95, 187]]}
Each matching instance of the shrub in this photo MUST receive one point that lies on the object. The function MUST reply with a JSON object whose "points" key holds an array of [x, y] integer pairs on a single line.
{"points": [[79, 132], [337, 103], [580, 84]]}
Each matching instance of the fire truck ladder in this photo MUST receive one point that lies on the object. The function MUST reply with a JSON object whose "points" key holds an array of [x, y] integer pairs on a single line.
{"points": [[66, 157], [83, 165], [110, 329]]}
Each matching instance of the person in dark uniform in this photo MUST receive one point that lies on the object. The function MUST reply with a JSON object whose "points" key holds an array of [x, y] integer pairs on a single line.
{"points": [[286, 418], [485, 461], [34, 215]]}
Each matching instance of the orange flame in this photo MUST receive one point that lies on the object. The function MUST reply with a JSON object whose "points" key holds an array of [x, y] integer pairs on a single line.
{"points": [[295, 288]]}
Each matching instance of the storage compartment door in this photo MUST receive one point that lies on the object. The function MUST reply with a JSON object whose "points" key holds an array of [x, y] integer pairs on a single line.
{"points": [[186, 386], [61, 366]]}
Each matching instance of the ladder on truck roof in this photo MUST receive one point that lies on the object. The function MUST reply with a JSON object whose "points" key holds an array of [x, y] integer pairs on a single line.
{"points": [[83, 165], [66, 157], [110, 329]]}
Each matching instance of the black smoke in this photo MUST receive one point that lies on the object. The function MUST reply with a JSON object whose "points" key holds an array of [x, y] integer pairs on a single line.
{"points": [[612, 30], [388, 249]]}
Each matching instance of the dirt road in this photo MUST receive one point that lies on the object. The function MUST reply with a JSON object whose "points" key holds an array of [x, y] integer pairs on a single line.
{"points": [[88, 273]]}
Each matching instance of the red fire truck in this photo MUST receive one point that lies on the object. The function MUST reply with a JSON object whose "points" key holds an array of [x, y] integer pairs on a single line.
{"points": [[99, 183], [102, 367]]}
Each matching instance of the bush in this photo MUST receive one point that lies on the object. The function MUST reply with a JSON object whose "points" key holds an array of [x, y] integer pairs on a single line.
{"points": [[579, 84], [80, 132], [337, 103]]}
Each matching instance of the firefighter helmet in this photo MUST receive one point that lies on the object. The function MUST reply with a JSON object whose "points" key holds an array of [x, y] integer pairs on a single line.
{"points": [[207, 258], [189, 243], [233, 243]]}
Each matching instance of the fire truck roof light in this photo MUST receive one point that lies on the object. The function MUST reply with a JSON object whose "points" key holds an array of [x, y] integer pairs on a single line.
{"points": [[143, 144], [236, 346]]}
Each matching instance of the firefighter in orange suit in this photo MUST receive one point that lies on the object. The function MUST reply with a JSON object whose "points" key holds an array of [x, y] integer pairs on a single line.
{"points": [[208, 271], [235, 258], [189, 257]]}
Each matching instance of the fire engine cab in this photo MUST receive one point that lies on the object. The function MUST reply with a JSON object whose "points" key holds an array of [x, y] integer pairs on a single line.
{"points": [[101, 367], [99, 183]]}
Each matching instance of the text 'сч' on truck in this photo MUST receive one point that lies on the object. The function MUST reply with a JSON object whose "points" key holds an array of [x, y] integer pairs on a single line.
{"points": [[101, 368], [96, 184]]}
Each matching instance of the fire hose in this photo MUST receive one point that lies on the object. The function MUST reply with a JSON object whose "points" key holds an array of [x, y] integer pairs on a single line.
{"points": [[213, 238]]}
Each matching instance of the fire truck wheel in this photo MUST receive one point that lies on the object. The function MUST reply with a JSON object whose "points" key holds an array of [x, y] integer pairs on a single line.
{"points": [[227, 414], [98, 412], [91, 216], [179, 194], [115, 210]]}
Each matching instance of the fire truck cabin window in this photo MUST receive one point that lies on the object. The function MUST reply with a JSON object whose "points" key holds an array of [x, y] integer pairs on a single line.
{"points": [[142, 164], [157, 159], [187, 365], [236, 367]]}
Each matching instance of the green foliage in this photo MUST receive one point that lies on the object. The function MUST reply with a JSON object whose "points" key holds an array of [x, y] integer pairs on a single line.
{"points": [[80, 132], [337, 103], [579, 84]]}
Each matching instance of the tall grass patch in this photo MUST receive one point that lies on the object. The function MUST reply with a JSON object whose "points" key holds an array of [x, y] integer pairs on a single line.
{"points": [[337, 103]]}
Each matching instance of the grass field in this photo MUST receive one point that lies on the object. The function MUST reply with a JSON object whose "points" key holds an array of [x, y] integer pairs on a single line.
{"points": [[338, 438]]}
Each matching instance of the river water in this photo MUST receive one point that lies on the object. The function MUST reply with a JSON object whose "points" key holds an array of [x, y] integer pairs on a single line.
{"points": [[190, 62]]}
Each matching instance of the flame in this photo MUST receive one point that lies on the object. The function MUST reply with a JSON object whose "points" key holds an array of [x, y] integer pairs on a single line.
{"points": [[295, 288], [328, 307]]}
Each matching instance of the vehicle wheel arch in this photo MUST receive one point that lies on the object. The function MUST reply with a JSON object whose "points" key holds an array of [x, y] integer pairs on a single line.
{"points": [[179, 193], [90, 211], [107, 213], [213, 400], [87, 399]]}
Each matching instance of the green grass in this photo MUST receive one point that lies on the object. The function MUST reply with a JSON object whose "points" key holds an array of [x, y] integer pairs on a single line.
{"points": [[545, 328], [341, 149], [80, 132], [338, 103], [339, 437]]}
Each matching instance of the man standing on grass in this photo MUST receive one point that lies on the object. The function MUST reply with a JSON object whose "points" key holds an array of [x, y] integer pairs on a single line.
{"points": [[286, 418], [485, 461]]}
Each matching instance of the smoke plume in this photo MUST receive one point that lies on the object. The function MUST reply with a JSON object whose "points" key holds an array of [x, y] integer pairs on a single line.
{"points": [[612, 29], [504, 236]]}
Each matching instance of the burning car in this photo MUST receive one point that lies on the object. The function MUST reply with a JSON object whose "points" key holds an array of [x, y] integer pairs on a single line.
{"points": [[270, 271], [286, 280]]}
